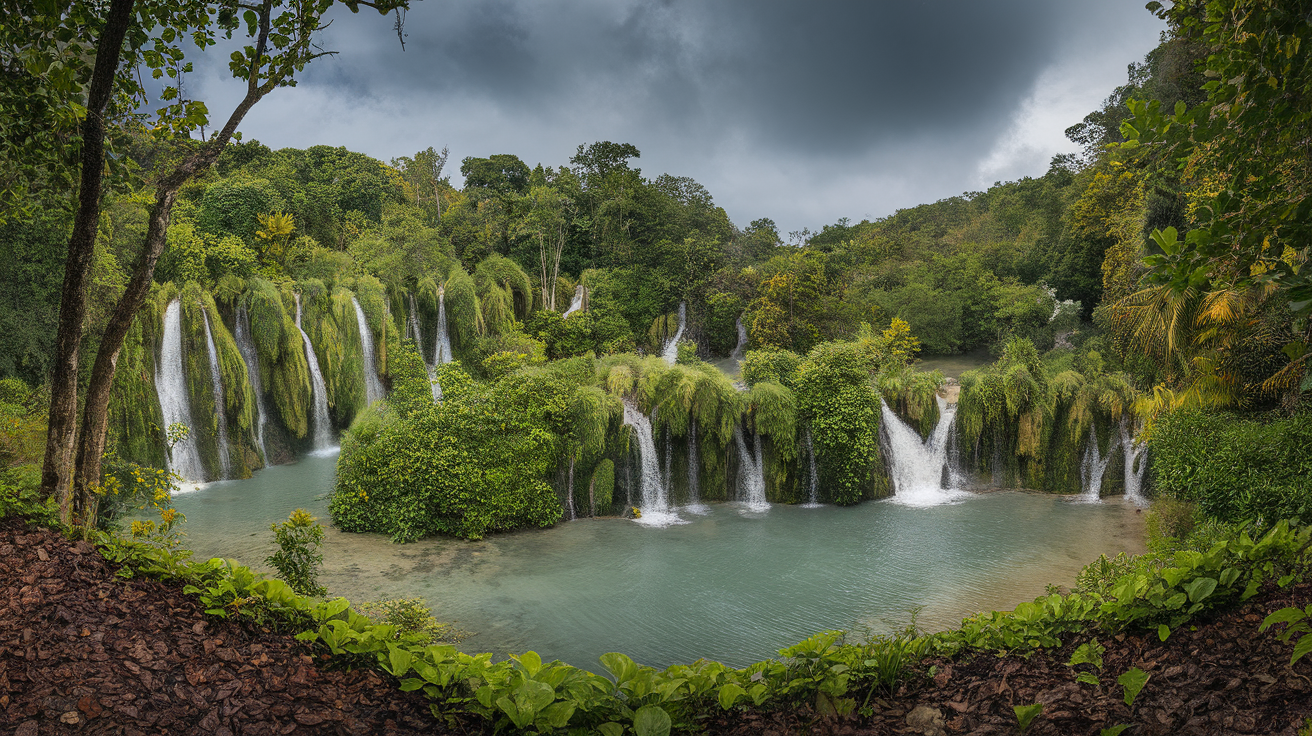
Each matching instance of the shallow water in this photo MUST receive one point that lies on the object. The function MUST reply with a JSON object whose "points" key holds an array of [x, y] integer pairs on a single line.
{"points": [[953, 366], [729, 585]]}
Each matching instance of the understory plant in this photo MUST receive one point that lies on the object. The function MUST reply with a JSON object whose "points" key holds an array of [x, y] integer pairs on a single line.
{"points": [[298, 558]]}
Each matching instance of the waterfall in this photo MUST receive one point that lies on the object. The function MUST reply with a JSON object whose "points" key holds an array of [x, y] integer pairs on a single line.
{"points": [[576, 303], [751, 475], [916, 466], [441, 346], [413, 323], [220, 407], [569, 493], [1095, 465], [668, 477], [671, 351], [323, 431], [695, 504], [246, 346], [741, 347], [175, 407], [373, 388], [813, 485], [1136, 463], [655, 506]]}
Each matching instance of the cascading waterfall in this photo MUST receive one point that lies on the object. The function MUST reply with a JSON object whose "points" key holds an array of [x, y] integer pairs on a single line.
{"points": [[741, 348], [751, 476], [695, 504], [413, 322], [441, 346], [576, 303], [671, 351], [655, 505], [813, 483], [668, 477], [917, 467], [220, 406], [323, 431], [569, 493], [171, 388], [373, 388], [1136, 463], [246, 346], [1095, 465]]}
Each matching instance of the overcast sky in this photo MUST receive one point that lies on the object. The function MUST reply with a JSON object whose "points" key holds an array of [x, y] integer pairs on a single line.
{"points": [[800, 111]]}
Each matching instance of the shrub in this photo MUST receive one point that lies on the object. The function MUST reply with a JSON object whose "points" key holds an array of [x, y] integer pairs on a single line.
{"points": [[298, 557], [1235, 468], [411, 618]]}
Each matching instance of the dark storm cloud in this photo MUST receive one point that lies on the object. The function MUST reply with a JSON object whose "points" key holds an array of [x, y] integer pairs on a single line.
{"points": [[903, 98]]}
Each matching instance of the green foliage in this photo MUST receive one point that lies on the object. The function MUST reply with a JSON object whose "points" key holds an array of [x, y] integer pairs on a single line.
{"points": [[283, 366], [1025, 714], [1133, 681], [484, 452], [298, 558], [1235, 468], [779, 366], [602, 487], [836, 400], [1298, 625], [410, 619]]}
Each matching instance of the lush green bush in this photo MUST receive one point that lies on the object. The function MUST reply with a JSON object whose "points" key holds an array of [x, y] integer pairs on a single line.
{"points": [[474, 463], [1235, 468], [837, 400], [298, 558]]}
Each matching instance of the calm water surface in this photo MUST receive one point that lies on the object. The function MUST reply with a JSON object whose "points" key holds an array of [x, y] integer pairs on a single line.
{"points": [[731, 585]]}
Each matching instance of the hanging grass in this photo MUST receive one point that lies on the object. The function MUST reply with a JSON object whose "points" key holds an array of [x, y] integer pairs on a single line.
{"points": [[464, 318], [329, 319], [283, 368], [913, 396], [498, 271], [373, 299], [135, 423], [772, 409], [601, 489], [498, 305]]}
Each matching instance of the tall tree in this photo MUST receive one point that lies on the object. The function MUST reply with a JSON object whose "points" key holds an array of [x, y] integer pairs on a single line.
{"points": [[282, 41]]}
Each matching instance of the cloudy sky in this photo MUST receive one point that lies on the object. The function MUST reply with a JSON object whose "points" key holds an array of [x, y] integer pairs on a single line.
{"points": [[800, 111]]}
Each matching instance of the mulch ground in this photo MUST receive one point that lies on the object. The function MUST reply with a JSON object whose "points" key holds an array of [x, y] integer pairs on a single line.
{"points": [[82, 651], [1222, 678]]}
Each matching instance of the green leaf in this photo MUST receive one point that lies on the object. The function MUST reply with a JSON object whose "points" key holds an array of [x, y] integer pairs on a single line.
{"points": [[1301, 649], [610, 729], [558, 714], [1199, 589], [1088, 678], [1025, 714], [1133, 681], [651, 720], [1163, 632], [1283, 616], [531, 661], [1114, 730], [619, 665], [729, 695], [398, 660]]}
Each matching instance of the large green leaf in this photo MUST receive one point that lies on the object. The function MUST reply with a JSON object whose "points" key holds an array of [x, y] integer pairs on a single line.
{"points": [[651, 720]]}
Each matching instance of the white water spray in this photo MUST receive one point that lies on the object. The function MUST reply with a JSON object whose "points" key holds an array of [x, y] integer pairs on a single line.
{"points": [[671, 351], [813, 484], [323, 431], [413, 323], [655, 506], [246, 346], [917, 467], [751, 473], [695, 504], [220, 406], [441, 346], [741, 348], [1094, 465], [373, 388], [175, 407], [1136, 463], [576, 303]]}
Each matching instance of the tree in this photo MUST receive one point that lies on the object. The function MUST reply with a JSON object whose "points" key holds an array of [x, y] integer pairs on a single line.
{"points": [[282, 36], [423, 173], [501, 173], [548, 220]]}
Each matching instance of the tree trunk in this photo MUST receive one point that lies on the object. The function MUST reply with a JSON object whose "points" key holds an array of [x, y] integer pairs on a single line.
{"points": [[592, 496], [95, 418], [57, 471]]}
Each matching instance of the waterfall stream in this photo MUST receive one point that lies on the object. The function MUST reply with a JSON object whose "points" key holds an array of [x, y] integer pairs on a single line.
{"points": [[413, 323], [246, 346], [1136, 463], [373, 388], [655, 505], [323, 431], [671, 351], [1094, 465], [695, 504], [813, 481], [576, 303], [751, 474], [917, 467], [441, 345], [741, 348], [175, 407], [220, 406]]}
